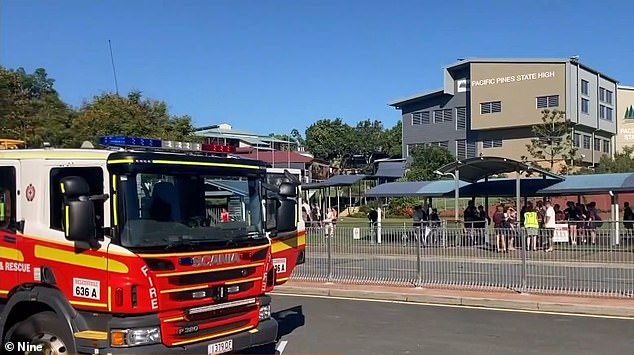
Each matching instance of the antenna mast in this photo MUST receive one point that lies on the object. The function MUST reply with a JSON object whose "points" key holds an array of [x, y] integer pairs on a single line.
{"points": [[114, 71]]}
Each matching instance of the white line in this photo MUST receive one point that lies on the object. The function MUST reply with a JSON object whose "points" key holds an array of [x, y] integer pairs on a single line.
{"points": [[457, 306], [281, 346]]}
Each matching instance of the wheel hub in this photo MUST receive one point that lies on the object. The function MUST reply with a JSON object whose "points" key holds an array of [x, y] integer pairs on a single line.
{"points": [[47, 344]]}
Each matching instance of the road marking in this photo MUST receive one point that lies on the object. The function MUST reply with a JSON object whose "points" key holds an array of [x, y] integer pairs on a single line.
{"points": [[281, 346], [571, 314]]}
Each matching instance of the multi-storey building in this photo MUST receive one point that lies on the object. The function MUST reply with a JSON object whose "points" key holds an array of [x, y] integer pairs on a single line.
{"points": [[488, 107], [625, 112]]}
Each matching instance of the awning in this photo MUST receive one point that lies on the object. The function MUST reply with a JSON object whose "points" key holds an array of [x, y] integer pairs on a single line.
{"points": [[591, 184], [436, 188]]}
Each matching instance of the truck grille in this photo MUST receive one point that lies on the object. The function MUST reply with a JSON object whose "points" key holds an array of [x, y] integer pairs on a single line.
{"points": [[212, 321]]}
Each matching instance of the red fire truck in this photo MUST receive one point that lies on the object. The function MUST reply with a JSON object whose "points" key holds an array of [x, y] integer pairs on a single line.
{"points": [[122, 249]]}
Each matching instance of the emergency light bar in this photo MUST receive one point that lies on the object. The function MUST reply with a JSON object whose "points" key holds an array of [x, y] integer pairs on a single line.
{"points": [[125, 141]]}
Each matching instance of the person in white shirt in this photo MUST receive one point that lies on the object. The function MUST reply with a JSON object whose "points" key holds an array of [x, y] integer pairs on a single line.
{"points": [[549, 224]]}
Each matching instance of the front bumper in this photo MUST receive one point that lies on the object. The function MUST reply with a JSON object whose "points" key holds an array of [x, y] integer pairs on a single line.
{"points": [[265, 333]]}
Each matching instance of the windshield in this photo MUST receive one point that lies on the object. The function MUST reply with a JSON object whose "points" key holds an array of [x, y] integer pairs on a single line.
{"points": [[166, 209]]}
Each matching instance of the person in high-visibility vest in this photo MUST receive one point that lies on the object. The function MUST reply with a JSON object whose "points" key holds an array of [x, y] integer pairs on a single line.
{"points": [[531, 223]]}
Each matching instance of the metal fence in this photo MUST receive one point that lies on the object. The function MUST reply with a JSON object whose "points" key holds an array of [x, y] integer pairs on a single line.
{"points": [[597, 261]]}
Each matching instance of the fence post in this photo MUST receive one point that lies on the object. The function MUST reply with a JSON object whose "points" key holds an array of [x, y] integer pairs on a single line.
{"points": [[524, 243], [330, 261], [419, 232]]}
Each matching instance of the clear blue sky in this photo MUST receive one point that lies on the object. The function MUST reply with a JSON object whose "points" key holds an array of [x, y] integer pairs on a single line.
{"points": [[270, 66]]}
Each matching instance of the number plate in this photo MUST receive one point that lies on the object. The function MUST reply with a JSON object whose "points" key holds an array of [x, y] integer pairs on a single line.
{"points": [[219, 348], [280, 265]]}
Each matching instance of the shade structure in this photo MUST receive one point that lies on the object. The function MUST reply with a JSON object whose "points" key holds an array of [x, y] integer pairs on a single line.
{"points": [[437, 188], [506, 187], [475, 169], [591, 184]]}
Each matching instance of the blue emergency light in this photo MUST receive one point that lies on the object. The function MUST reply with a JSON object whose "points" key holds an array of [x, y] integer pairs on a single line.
{"points": [[126, 141]]}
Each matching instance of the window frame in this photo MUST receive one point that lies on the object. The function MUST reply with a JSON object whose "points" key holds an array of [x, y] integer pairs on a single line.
{"points": [[12, 175], [56, 200]]}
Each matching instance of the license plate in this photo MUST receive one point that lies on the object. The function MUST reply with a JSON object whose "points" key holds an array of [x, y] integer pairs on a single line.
{"points": [[280, 265], [219, 348]]}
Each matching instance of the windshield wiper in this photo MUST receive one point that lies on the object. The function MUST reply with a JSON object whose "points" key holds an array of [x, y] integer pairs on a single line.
{"points": [[189, 241]]}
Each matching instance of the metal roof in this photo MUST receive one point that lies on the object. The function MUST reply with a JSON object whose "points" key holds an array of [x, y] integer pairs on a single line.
{"points": [[337, 180], [435, 188], [475, 169], [398, 102], [391, 169], [506, 187], [591, 183]]}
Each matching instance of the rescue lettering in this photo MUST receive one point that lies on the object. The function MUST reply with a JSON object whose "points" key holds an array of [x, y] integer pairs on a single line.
{"points": [[152, 290], [17, 267]]}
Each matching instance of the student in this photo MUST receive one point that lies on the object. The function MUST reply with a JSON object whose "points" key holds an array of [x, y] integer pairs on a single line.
{"points": [[531, 224]]}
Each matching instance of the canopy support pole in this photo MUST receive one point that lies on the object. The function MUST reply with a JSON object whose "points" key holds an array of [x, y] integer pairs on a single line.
{"points": [[615, 217]]}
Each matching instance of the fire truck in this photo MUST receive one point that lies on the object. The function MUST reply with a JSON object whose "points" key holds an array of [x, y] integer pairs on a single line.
{"points": [[142, 246]]}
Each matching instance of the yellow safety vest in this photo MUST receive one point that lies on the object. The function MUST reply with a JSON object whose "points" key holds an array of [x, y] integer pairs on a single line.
{"points": [[530, 220]]}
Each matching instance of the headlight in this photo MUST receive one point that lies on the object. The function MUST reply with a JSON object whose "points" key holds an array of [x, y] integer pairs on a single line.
{"points": [[136, 336], [265, 312]]}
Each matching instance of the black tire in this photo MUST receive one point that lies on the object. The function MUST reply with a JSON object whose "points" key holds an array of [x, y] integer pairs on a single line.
{"points": [[44, 328]]}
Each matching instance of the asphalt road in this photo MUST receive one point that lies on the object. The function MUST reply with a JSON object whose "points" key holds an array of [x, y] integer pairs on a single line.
{"points": [[336, 326], [504, 273]]}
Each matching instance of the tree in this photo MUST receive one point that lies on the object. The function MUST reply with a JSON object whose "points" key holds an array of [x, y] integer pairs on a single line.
{"points": [[330, 139], [553, 140], [393, 140], [31, 109], [131, 115], [426, 160]]}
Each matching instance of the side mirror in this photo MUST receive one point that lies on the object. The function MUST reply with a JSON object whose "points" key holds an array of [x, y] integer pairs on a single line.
{"points": [[80, 221], [288, 190], [286, 217], [79, 209]]}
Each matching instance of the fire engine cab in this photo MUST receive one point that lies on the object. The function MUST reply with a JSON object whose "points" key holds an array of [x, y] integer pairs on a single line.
{"points": [[142, 246]]}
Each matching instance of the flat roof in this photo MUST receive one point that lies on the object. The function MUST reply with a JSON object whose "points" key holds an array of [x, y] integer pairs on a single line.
{"points": [[625, 87]]}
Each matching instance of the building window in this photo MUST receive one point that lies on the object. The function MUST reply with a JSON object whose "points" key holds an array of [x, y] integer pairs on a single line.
{"points": [[471, 150], [608, 97], [461, 149], [419, 118], [492, 143], [445, 115], [490, 107], [605, 113], [586, 142], [606, 146], [585, 106], [602, 94], [584, 87], [444, 144], [597, 144], [548, 101], [577, 139], [461, 118]]}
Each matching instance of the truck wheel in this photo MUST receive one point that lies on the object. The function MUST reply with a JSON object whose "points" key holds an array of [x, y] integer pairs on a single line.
{"points": [[45, 329]]}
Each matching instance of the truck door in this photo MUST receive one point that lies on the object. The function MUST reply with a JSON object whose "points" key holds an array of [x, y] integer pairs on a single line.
{"points": [[11, 257], [289, 243]]}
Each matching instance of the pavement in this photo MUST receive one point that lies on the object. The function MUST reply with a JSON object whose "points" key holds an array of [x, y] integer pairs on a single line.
{"points": [[318, 325], [494, 298]]}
